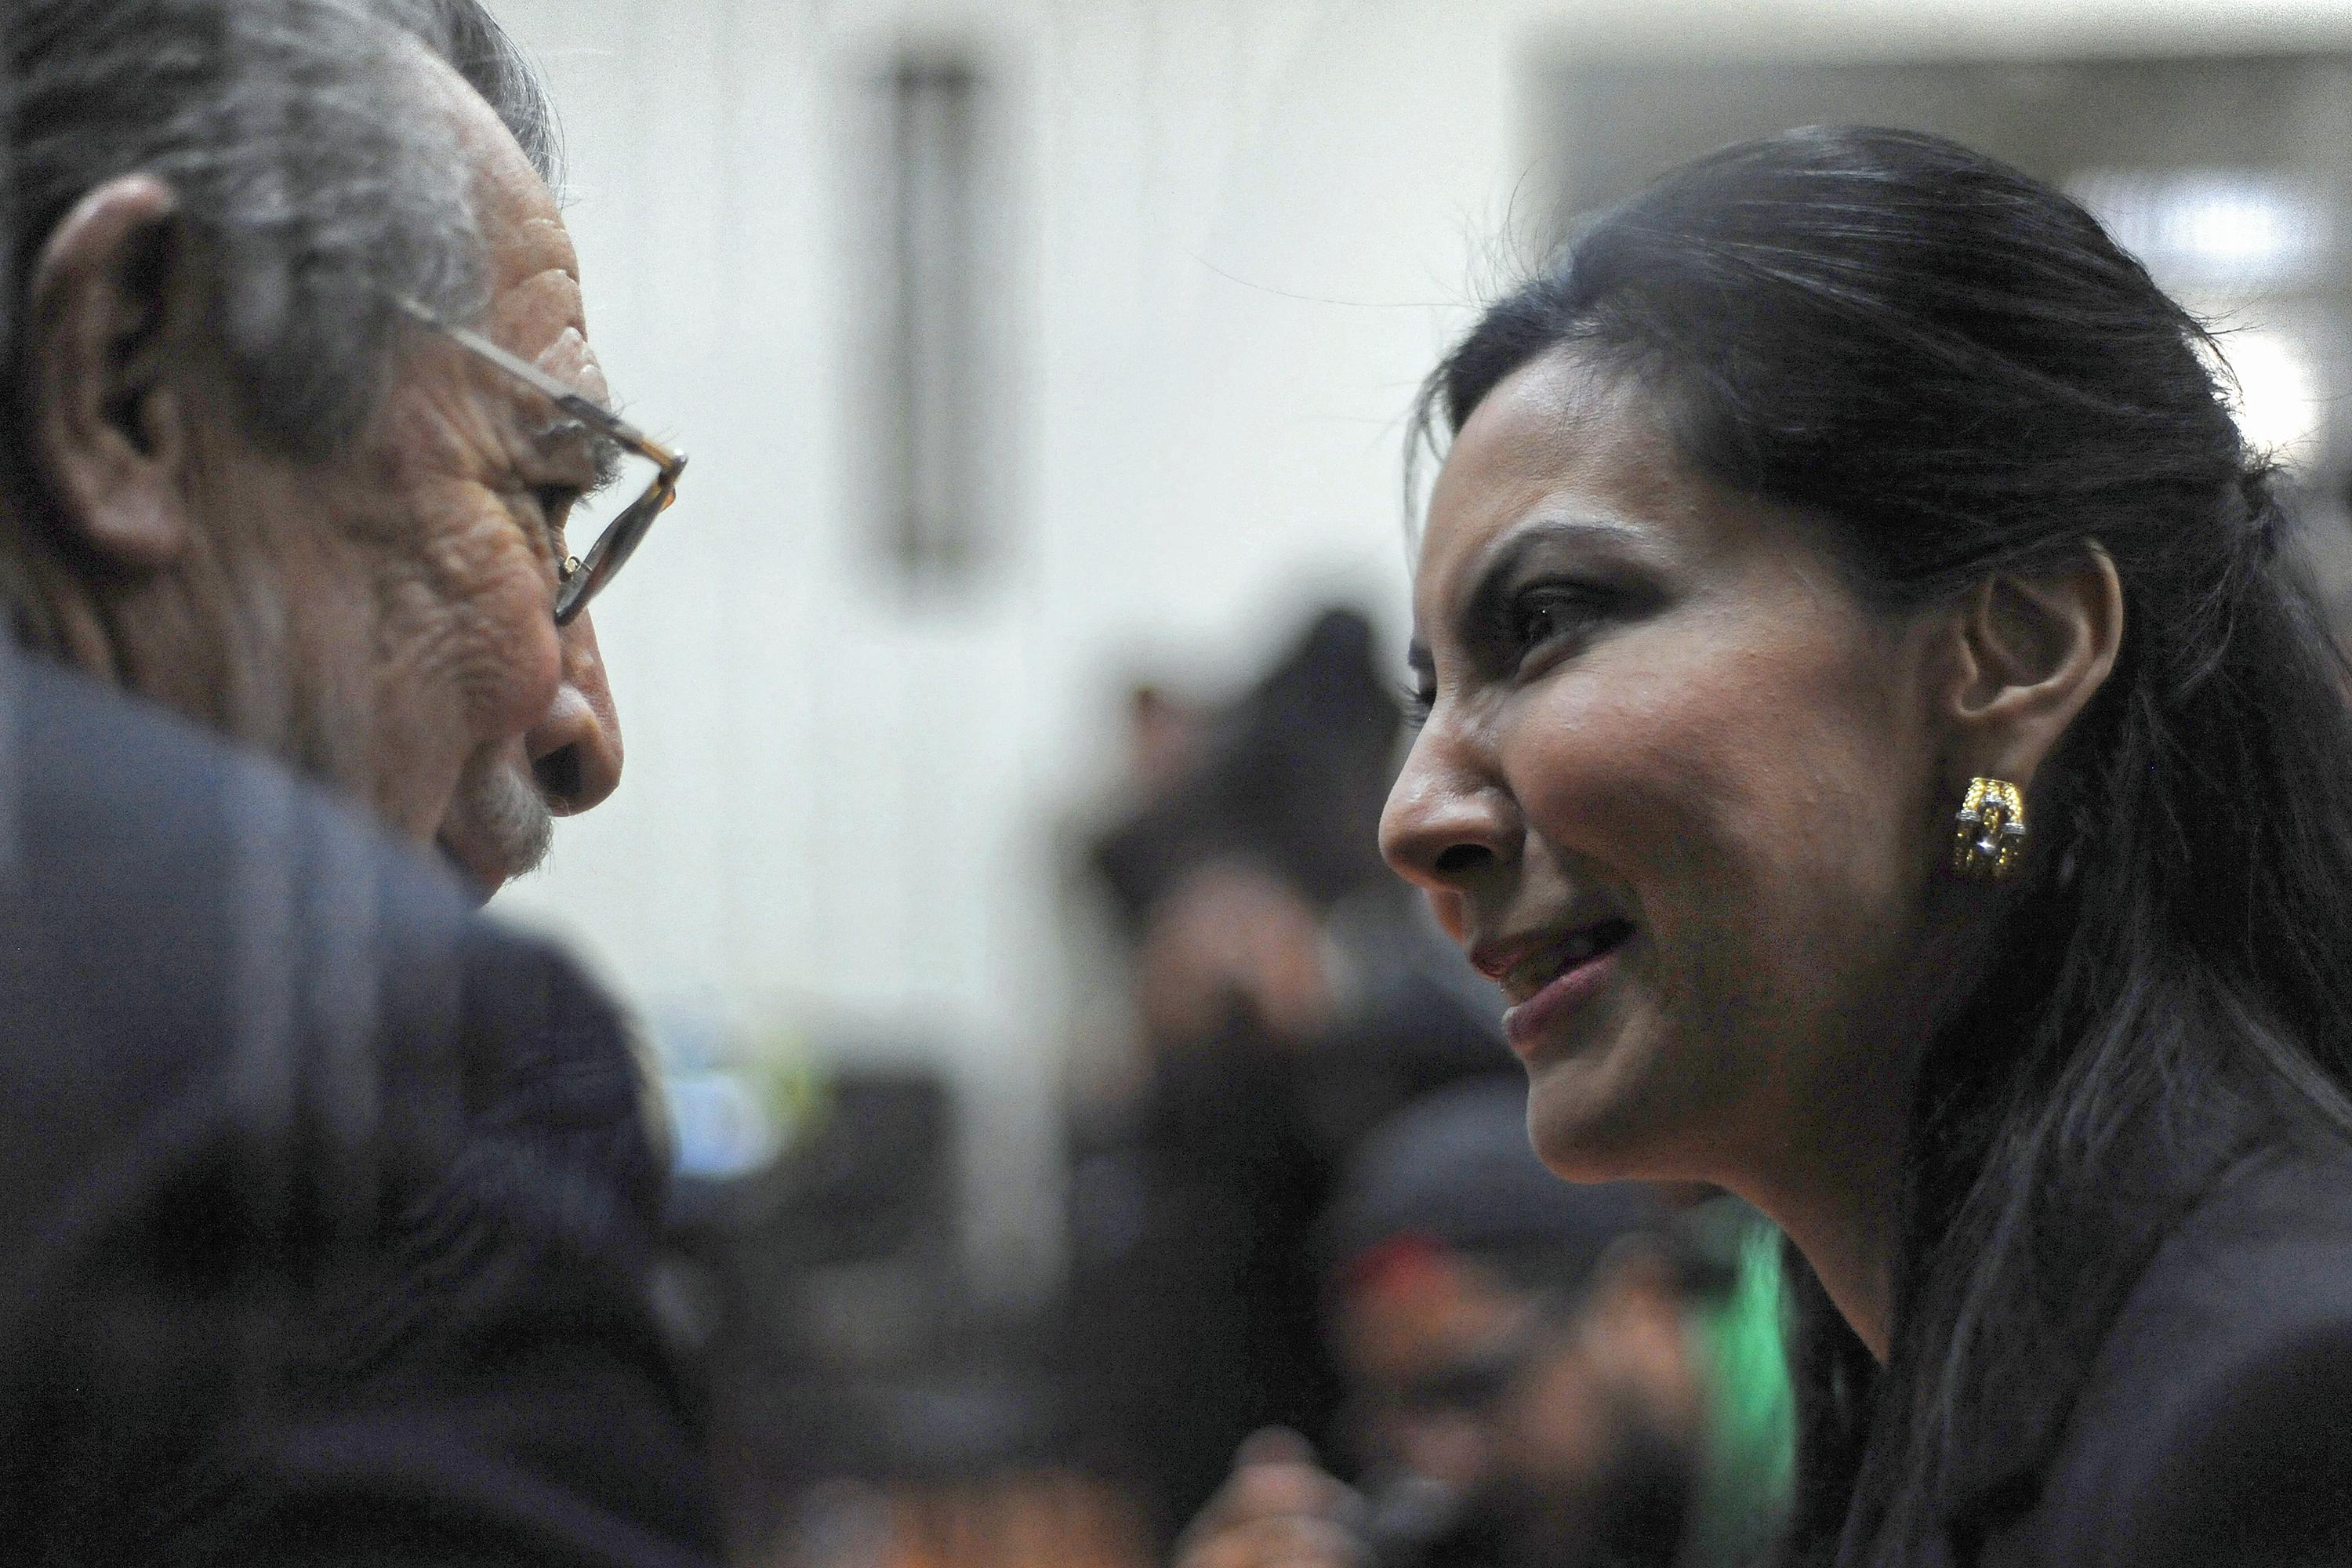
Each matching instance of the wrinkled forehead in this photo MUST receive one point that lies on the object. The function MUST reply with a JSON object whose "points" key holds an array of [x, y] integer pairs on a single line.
{"points": [[529, 252], [532, 302]]}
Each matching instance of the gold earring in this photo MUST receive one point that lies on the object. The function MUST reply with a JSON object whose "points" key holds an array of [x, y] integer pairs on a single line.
{"points": [[1989, 834]]}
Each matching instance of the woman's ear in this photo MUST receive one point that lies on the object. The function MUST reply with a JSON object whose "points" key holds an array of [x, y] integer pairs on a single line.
{"points": [[109, 303], [2033, 652]]}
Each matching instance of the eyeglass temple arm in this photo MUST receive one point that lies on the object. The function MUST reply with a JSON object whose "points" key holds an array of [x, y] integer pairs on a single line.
{"points": [[593, 415]]}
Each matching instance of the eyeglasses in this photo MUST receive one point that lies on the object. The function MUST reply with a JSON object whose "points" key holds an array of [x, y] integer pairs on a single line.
{"points": [[582, 578]]}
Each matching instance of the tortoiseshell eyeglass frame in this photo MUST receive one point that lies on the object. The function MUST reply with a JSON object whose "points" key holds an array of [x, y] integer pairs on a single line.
{"points": [[581, 578]]}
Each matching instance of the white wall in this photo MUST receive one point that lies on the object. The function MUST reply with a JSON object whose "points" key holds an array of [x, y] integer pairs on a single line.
{"points": [[1243, 230]]}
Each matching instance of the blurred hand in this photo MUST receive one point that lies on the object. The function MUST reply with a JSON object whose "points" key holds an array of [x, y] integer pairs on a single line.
{"points": [[1229, 935], [1278, 1511]]}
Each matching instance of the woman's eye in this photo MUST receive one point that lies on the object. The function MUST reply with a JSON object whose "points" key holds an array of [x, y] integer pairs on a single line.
{"points": [[1543, 615], [1418, 697]]}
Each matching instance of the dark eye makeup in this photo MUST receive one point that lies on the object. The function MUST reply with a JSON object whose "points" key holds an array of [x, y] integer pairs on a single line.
{"points": [[1541, 615], [1547, 592], [1418, 693]]}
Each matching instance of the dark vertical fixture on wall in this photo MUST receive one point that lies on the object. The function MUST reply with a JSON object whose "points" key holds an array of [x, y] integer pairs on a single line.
{"points": [[933, 493]]}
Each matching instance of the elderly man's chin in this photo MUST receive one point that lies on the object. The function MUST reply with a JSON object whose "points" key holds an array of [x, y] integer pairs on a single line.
{"points": [[498, 826]]}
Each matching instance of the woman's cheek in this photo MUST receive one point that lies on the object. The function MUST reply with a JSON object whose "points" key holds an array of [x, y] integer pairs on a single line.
{"points": [[1630, 792], [1575, 760]]}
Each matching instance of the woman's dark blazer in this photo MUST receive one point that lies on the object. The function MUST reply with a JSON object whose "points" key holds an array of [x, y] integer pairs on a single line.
{"points": [[2215, 1427]]}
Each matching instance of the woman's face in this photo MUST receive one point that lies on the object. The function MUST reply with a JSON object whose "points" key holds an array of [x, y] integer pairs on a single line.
{"points": [[1677, 789]]}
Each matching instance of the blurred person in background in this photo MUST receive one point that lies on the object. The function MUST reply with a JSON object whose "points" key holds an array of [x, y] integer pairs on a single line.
{"points": [[328, 1205], [1879, 733], [1288, 999], [1533, 1370]]}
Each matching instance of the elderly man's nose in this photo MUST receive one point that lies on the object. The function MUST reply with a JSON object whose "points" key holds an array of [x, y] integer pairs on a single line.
{"points": [[575, 750]]}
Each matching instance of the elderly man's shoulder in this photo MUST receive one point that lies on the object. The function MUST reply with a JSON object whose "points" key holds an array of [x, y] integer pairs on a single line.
{"points": [[172, 906], [329, 1205], [105, 796]]}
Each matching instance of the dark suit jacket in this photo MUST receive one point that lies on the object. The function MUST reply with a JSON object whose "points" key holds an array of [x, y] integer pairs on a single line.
{"points": [[325, 1206], [2215, 1428]]}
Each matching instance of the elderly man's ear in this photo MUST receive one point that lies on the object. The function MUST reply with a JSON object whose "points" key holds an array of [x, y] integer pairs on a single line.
{"points": [[112, 312]]}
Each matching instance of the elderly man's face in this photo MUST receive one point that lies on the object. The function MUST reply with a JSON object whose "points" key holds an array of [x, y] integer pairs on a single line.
{"points": [[385, 619], [485, 718]]}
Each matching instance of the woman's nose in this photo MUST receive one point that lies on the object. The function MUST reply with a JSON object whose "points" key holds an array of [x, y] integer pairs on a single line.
{"points": [[575, 750], [1445, 823]]}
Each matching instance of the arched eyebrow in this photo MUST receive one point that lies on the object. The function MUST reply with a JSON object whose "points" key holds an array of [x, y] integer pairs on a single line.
{"points": [[1507, 558], [1510, 552], [1491, 588]]}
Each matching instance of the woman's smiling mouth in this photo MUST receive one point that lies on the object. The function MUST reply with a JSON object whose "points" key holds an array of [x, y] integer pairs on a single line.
{"points": [[1548, 980]]}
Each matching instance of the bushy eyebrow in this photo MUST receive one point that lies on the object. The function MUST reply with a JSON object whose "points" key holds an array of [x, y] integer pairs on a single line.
{"points": [[611, 435], [605, 453]]}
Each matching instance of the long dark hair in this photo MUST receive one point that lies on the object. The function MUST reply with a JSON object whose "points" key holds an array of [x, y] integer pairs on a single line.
{"points": [[1954, 364]]}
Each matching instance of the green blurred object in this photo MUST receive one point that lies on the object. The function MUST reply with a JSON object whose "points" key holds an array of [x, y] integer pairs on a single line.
{"points": [[1751, 1452]]}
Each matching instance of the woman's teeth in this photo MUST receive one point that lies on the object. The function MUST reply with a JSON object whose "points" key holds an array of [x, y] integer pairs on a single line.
{"points": [[1532, 974]]}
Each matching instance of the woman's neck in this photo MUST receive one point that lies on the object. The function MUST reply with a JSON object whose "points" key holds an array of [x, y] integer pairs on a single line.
{"points": [[1835, 1178], [1849, 1230]]}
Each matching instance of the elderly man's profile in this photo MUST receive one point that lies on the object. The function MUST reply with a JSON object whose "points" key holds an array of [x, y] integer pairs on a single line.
{"points": [[328, 1205]]}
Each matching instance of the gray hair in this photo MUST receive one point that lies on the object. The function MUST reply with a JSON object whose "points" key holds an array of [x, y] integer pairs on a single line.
{"points": [[292, 132]]}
